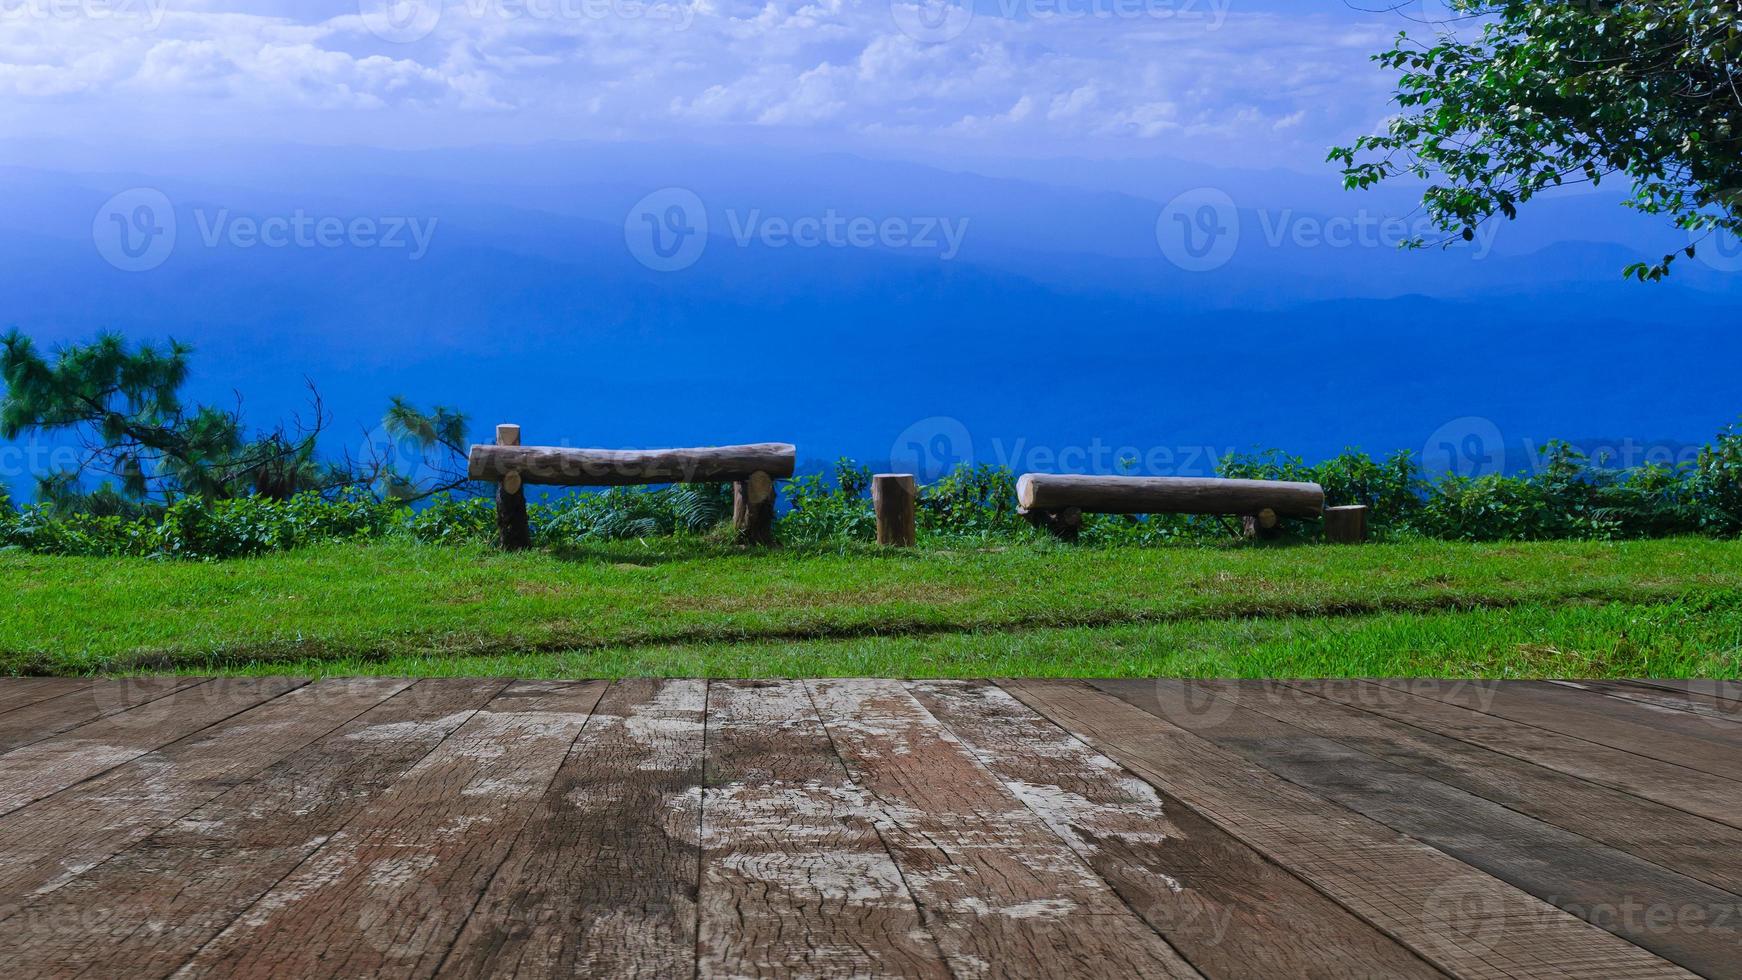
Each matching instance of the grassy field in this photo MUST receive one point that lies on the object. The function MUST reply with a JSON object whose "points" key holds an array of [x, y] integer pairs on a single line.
{"points": [[1664, 608]]}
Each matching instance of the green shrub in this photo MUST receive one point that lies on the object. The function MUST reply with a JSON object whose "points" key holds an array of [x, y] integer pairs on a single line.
{"points": [[1565, 496], [829, 509], [971, 502], [621, 513]]}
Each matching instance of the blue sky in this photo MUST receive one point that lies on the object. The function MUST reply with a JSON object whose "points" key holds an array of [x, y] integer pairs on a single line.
{"points": [[1264, 84]]}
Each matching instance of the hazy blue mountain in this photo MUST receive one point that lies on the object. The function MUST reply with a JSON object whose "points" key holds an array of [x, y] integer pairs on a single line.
{"points": [[1061, 325]]}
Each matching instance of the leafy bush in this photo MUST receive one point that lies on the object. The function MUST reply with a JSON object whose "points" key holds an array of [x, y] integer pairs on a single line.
{"points": [[1566, 496], [826, 509], [621, 513], [971, 501]]}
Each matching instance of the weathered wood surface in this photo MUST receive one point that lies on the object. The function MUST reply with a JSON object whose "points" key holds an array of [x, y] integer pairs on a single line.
{"points": [[996, 886], [1220, 903], [1463, 920], [148, 909], [387, 894], [381, 827], [1565, 870], [557, 466], [41, 718], [602, 880], [796, 881], [1168, 495], [1672, 785], [1672, 838], [45, 767], [23, 691]]}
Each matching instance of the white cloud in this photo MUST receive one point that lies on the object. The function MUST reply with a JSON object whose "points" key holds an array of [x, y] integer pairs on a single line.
{"points": [[830, 71]]}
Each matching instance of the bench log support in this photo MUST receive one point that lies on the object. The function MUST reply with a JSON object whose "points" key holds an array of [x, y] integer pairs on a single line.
{"points": [[1065, 524], [894, 496], [513, 530], [753, 509], [1346, 525]]}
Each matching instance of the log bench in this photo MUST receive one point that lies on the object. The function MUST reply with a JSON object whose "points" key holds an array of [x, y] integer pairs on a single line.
{"points": [[751, 470], [1058, 502]]}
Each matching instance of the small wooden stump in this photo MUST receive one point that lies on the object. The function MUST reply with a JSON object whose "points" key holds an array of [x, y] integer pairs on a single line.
{"points": [[1346, 525], [753, 509], [1065, 524], [513, 531], [894, 496], [1264, 525]]}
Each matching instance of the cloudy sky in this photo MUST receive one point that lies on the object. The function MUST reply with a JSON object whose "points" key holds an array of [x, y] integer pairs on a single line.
{"points": [[1260, 82]]}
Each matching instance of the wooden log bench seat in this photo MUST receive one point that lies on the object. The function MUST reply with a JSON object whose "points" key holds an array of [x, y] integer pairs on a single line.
{"points": [[1058, 502], [751, 470]]}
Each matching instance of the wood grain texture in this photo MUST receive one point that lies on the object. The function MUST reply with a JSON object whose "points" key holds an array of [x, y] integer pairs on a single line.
{"points": [[21, 691], [1722, 714], [1703, 929], [796, 881], [47, 717], [43, 846], [555, 466], [46, 767], [1168, 495], [1002, 894], [1226, 909], [1461, 919], [147, 910], [1666, 736], [1671, 785], [1672, 838], [602, 880], [386, 895]]}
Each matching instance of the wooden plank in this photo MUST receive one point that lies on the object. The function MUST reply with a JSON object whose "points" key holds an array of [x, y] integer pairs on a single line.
{"points": [[50, 717], [1461, 919], [1664, 736], [1226, 909], [1168, 495], [1721, 713], [46, 767], [796, 881], [1705, 688], [1674, 786], [1573, 873], [559, 466], [146, 911], [1001, 892], [17, 692], [386, 895], [1663, 835], [44, 845], [602, 881]]}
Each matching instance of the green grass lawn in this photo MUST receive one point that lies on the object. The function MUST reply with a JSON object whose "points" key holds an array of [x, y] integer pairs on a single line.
{"points": [[1664, 608]]}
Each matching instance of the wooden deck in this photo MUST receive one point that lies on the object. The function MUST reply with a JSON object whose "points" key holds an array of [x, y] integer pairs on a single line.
{"points": [[381, 827]]}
